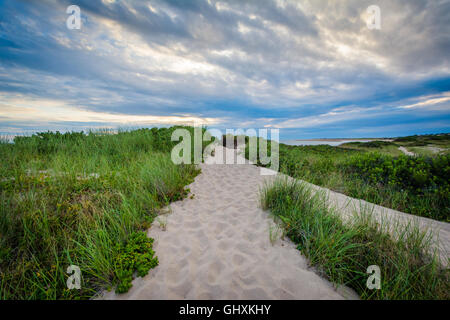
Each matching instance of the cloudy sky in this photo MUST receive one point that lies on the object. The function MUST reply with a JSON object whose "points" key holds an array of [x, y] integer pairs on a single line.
{"points": [[312, 68]]}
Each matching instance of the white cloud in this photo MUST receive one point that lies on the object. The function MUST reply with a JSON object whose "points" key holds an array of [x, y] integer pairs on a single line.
{"points": [[336, 115], [433, 102]]}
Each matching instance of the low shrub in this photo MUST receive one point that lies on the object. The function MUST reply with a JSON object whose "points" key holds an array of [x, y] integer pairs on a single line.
{"points": [[134, 255], [419, 177]]}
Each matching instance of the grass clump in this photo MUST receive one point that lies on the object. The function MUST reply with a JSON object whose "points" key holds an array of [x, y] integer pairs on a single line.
{"points": [[69, 199], [410, 269]]}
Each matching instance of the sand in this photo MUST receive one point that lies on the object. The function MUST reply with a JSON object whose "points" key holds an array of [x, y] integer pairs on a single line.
{"points": [[405, 151], [217, 246]]}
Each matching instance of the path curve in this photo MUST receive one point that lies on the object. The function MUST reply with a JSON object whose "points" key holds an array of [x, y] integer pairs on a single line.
{"points": [[405, 151]]}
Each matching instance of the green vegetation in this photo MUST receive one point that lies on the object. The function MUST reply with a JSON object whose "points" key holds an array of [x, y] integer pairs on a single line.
{"points": [[428, 151], [426, 145], [423, 181], [374, 144], [385, 147], [135, 254], [423, 145], [410, 269], [83, 199], [442, 139], [416, 185], [231, 140]]}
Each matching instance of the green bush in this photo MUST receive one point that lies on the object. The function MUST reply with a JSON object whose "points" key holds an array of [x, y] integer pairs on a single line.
{"points": [[135, 255], [377, 144], [419, 177]]}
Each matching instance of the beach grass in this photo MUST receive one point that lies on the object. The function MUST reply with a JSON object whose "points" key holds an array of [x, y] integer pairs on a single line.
{"points": [[410, 267], [85, 200]]}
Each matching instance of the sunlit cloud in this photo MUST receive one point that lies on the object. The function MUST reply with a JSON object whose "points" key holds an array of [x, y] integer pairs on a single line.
{"points": [[431, 102], [41, 110]]}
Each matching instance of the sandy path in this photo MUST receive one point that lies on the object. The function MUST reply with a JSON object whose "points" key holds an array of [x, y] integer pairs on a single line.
{"points": [[217, 246], [405, 151], [435, 149]]}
